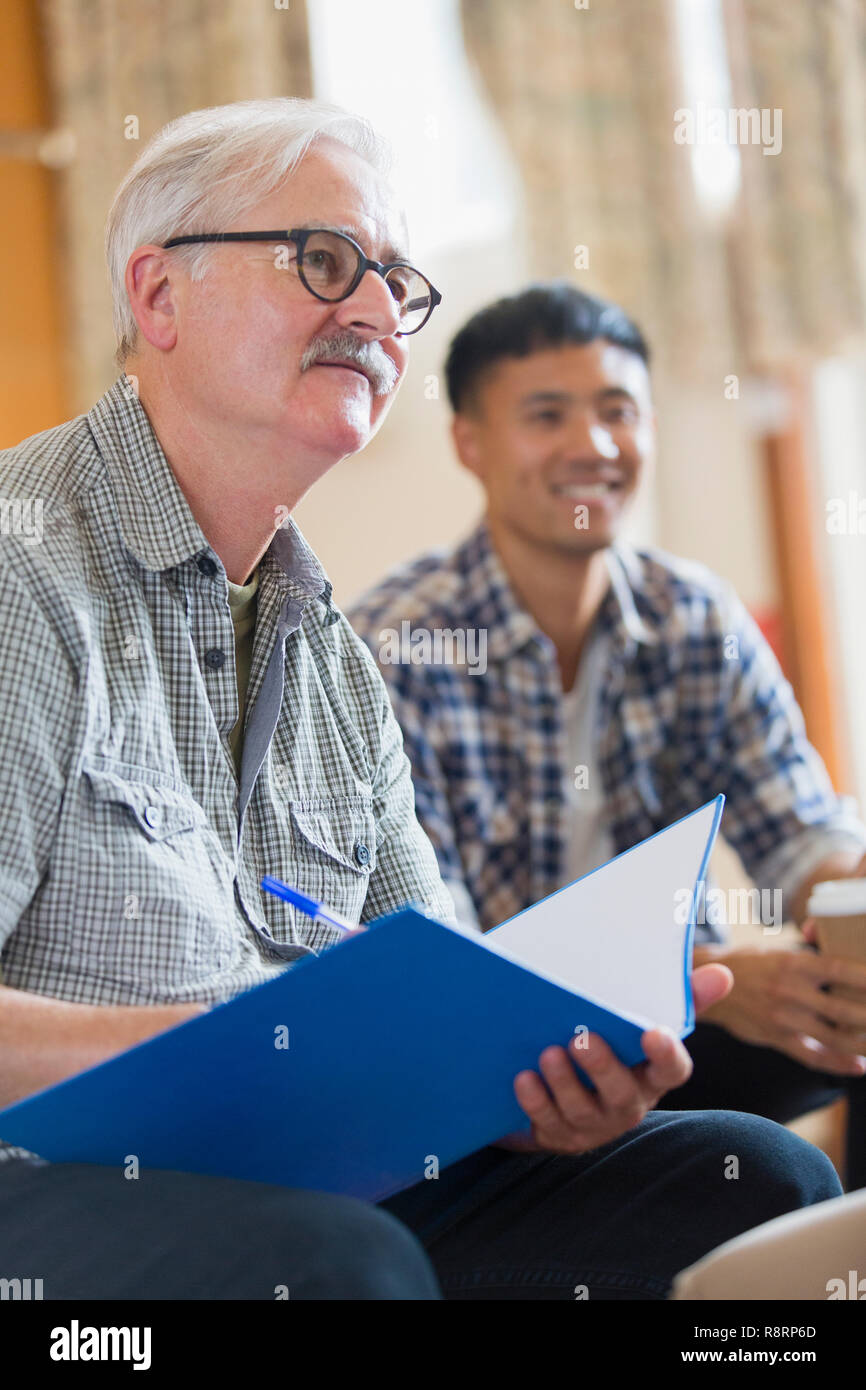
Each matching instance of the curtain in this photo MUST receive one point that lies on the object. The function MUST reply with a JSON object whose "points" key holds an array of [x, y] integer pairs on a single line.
{"points": [[586, 98], [799, 239]]}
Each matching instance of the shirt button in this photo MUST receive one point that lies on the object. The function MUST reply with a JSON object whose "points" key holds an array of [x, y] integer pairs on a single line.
{"points": [[362, 855], [215, 658], [152, 816], [206, 565]]}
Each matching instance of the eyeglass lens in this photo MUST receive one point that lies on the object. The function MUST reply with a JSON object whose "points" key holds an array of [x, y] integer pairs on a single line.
{"points": [[329, 264]]}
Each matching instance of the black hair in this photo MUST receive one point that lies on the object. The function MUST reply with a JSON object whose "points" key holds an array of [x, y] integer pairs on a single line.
{"points": [[546, 314]]}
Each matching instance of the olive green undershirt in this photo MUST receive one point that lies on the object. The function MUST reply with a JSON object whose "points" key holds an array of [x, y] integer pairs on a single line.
{"points": [[243, 603]]}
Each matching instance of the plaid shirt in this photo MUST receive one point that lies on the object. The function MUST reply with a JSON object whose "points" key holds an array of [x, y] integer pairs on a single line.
{"points": [[692, 703], [130, 853]]}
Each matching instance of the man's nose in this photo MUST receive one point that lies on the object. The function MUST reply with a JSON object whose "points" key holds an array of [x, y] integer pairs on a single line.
{"points": [[370, 309], [589, 438]]}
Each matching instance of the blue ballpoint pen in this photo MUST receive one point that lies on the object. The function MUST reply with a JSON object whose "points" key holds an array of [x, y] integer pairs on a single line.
{"points": [[318, 911]]}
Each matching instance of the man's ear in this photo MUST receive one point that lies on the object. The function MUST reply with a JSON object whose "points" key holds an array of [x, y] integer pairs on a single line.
{"points": [[464, 433], [151, 296]]}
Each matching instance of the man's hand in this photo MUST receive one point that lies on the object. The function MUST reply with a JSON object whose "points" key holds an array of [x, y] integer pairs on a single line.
{"points": [[778, 1001], [568, 1118]]}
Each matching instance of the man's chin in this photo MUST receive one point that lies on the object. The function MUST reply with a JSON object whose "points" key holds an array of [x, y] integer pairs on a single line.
{"points": [[584, 544], [553, 540], [598, 534], [343, 436]]}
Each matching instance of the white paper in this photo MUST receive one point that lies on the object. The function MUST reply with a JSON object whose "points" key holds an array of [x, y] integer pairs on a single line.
{"points": [[618, 935]]}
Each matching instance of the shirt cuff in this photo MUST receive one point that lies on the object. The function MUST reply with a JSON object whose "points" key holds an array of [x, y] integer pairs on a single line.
{"points": [[793, 863]]}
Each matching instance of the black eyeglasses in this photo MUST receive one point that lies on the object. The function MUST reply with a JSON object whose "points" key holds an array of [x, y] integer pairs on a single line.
{"points": [[331, 265]]}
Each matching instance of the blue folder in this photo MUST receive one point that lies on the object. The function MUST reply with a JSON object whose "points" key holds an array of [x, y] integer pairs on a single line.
{"points": [[356, 1071]]}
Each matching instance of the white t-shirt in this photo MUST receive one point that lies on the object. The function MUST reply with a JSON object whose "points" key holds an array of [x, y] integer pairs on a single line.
{"points": [[589, 844]]}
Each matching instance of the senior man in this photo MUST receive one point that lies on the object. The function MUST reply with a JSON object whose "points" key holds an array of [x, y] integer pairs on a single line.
{"points": [[183, 710]]}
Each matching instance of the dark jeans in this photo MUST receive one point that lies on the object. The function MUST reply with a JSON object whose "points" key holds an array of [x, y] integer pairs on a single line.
{"points": [[733, 1075], [88, 1232], [617, 1223]]}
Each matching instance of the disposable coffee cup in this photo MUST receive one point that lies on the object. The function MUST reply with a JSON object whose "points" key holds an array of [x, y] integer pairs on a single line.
{"points": [[839, 909]]}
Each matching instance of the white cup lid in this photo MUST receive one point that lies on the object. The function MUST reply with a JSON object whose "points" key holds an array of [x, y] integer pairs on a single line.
{"points": [[840, 897]]}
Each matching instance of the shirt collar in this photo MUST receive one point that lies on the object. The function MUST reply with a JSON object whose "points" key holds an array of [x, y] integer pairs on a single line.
{"points": [[489, 601], [156, 522], [620, 610]]}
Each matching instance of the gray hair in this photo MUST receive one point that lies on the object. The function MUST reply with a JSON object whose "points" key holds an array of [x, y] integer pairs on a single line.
{"points": [[204, 170]]}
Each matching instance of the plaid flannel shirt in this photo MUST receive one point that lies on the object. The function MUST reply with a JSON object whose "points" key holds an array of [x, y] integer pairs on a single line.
{"points": [[693, 703], [130, 852]]}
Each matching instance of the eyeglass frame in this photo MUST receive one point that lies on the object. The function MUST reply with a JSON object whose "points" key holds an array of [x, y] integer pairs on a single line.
{"points": [[299, 235]]}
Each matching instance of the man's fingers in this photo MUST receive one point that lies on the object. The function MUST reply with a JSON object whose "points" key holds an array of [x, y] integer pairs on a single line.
{"points": [[820, 1058], [618, 1090], [843, 1013], [806, 1023], [575, 1103], [564, 1111], [710, 983], [668, 1064], [799, 986], [568, 1116], [845, 972], [823, 969], [535, 1101]]}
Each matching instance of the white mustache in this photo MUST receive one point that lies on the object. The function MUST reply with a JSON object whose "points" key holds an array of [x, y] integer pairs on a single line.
{"points": [[372, 359]]}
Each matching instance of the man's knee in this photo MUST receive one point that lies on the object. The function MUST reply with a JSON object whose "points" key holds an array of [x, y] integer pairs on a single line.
{"points": [[758, 1156], [298, 1244], [359, 1252]]}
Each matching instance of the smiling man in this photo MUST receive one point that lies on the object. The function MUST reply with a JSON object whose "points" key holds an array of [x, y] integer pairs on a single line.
{"points": [[624, 687], [184, 711]]}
